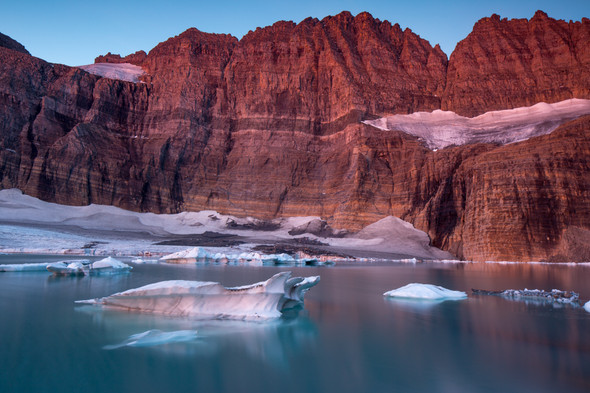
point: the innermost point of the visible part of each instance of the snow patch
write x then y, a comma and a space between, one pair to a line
425, 292
439, 129
121, 71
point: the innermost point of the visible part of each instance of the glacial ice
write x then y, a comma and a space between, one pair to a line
210, 300
121, 71
42, 227
439, 129
199, 254
425, 292
156, 337
587, 306
25, 267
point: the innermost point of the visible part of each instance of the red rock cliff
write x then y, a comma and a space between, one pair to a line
512, 63
269, 126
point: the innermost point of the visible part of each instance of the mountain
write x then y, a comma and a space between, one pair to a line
270, 125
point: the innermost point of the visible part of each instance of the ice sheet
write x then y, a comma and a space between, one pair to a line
439, 129
425, 292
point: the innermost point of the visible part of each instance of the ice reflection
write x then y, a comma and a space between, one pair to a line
272, 342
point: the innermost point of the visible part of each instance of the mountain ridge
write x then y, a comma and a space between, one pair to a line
269, 126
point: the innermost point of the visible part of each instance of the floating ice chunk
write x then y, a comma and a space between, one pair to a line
190, 255
82, 267
69, 268
25, 267
155, 337
110, 262
204, 299
587, 306
538, 295
425, 292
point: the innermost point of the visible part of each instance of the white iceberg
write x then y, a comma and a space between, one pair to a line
25, 267
425, 292
587, 306
109, 265
82, 267
190, 255
156, 337
211, 300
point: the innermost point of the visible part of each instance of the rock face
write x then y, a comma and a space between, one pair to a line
269, 126
512, 63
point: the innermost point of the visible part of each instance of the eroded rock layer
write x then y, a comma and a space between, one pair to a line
268, 126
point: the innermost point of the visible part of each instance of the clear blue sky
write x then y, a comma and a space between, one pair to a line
74, 32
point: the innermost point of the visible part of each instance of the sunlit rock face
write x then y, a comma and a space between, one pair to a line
513, 63
269, 126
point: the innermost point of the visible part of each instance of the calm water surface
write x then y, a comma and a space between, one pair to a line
347, 339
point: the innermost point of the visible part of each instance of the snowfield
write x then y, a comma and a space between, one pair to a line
30, 225
123, 71
439, 129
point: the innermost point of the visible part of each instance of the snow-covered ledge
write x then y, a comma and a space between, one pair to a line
439, 129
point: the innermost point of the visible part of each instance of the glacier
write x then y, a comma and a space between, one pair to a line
29, 225
425, 292
210, 300
439, 129
121, 71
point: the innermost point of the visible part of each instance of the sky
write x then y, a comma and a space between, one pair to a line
74, 32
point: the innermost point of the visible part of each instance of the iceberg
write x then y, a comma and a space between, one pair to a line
587, 306
156, 337
65, 268
425, 292
25, 267
83, 267
211, 300
199, 254
538, 295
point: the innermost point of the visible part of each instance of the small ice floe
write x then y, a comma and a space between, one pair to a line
587, 306
425, 292
538, 295
107, 265
156, 337
69, 268
25, 267
211, 300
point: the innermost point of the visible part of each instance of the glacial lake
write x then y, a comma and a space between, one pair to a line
348, 337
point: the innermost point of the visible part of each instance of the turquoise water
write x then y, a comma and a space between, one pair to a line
348, 338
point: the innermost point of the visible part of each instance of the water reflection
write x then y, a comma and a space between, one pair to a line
272, 342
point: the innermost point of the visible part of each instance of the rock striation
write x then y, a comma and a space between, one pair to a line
506, 64
269, 126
